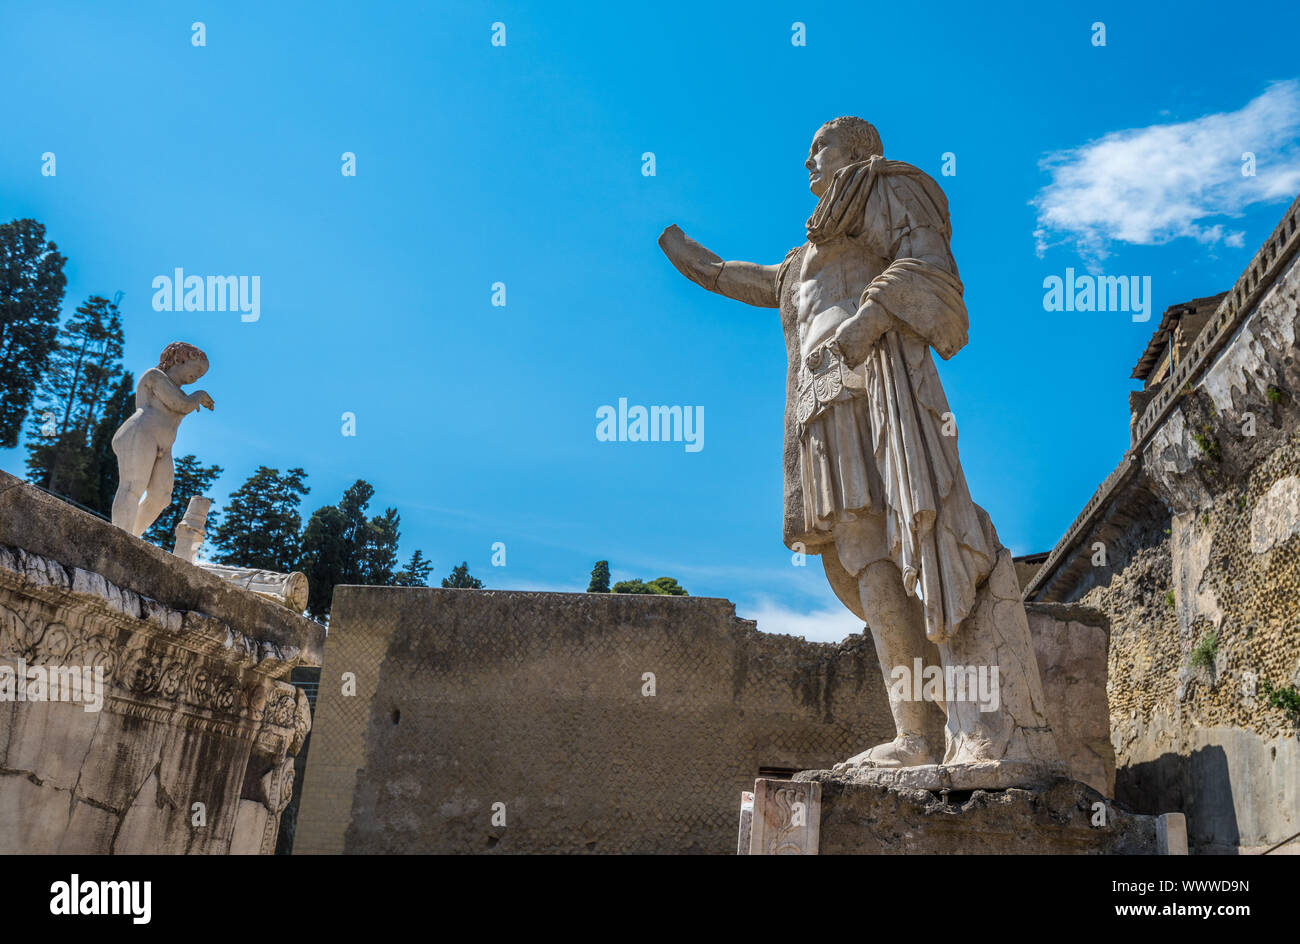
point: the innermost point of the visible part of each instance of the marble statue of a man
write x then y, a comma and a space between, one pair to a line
143, 443
873, 483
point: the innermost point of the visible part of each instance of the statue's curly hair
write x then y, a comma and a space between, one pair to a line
176, 352
863, 137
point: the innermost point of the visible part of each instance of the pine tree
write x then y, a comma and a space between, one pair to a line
379, 554
599, 578
78, 383
324, 549
31, 294
666, 586
353, 506
415, 573
192, 478
341, 545
460, 578
260, 526
102, 474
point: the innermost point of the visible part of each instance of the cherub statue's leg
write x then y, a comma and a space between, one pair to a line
135, 464
897, 626
158, 494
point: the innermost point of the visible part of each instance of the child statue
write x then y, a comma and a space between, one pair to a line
143, 443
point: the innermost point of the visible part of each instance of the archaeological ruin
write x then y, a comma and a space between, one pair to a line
181, 736
1148, 661
1190, 548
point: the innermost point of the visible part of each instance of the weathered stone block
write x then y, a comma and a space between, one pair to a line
1071, 644
192, 705
1171, 834
787, 818
1064, 817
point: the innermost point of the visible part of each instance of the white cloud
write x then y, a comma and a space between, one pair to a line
828, 620
831, 624
1147, 186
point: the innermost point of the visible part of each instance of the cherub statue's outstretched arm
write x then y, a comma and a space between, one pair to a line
747, 282
172, 396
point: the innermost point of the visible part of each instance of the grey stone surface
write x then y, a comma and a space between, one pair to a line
1054, 819
1071, 644
1171, 834
189, 750
986, 775
1239, 790
467, 698
42, 524
787, 817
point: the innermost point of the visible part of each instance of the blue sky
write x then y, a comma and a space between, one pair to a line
522, 164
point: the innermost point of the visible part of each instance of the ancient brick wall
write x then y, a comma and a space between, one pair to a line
1203, 738
466, 699
1209, 560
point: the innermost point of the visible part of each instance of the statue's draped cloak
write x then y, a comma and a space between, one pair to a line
941, 541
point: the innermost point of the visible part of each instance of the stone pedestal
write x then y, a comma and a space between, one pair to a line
1061, 817
989, 775
172, 726
1071, 644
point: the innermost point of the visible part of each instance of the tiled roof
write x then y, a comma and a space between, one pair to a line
1160, 340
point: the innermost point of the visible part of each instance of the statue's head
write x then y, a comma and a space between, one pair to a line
837, 144
183, 363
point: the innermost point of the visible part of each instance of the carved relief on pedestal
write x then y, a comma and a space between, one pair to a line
160, 666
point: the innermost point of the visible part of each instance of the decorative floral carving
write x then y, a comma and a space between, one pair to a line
25, 636
141, 671
282, 709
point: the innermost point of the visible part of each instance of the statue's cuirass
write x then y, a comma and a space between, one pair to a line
832, 277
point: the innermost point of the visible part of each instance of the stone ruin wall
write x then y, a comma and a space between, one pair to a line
468, 698
1214, 547
196, 704
1205, 740
465, 698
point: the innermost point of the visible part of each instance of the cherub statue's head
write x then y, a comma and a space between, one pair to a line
837, 144
183, 363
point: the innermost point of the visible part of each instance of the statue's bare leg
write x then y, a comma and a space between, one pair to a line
134, 472
158, 494
897, 626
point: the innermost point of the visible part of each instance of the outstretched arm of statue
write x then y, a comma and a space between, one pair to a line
746, 282
172, 396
